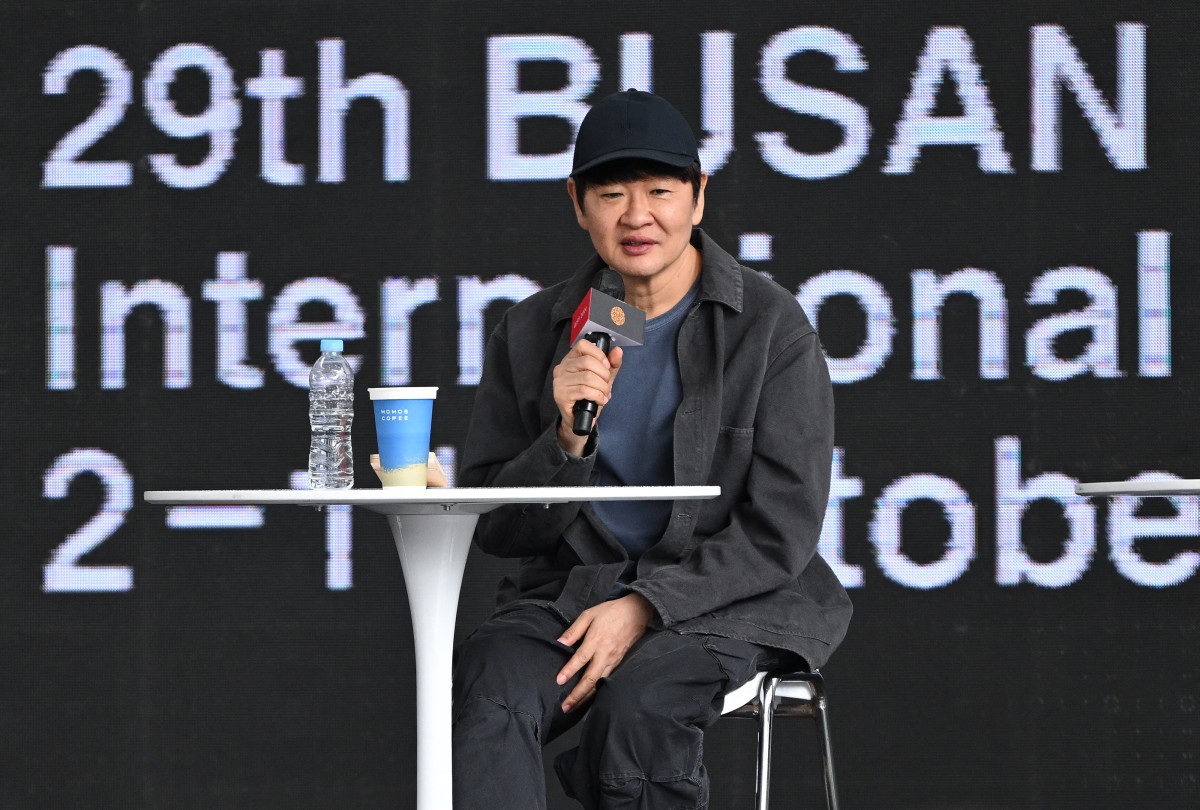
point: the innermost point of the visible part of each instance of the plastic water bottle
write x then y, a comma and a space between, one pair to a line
330, 413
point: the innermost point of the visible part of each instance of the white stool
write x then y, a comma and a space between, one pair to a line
796, 694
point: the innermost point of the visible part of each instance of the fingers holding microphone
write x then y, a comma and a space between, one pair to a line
583, 380
585, 373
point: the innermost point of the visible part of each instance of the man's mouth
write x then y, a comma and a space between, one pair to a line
636, 246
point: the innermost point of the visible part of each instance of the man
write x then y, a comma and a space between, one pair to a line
636, 617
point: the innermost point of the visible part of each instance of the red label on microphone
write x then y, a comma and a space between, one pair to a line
581, 316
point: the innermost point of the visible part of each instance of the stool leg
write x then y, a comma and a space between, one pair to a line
821, 718
766, 723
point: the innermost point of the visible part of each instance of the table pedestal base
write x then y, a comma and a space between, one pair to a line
433, 553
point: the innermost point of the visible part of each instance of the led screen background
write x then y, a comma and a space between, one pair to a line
990, 213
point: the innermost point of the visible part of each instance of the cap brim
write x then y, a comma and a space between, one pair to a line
670, 158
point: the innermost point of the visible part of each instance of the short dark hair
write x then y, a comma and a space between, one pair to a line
628, 169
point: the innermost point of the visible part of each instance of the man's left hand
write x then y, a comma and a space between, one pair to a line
604, 634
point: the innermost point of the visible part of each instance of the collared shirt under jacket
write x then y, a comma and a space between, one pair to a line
756, 419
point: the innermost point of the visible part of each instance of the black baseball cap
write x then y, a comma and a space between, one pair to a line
634, 124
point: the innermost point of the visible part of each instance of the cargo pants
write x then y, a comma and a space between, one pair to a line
641, 743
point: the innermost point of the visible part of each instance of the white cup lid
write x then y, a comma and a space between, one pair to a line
403, 393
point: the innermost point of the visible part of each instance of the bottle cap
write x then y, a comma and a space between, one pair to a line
329, 345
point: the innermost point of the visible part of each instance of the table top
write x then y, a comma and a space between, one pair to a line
415, 500
1142, 489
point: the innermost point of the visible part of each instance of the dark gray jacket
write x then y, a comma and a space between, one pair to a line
756, 419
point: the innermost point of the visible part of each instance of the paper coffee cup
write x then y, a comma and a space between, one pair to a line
403, 417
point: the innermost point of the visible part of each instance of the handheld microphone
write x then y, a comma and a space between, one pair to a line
607, 322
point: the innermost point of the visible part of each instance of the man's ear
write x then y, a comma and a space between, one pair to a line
575, 202
698, 211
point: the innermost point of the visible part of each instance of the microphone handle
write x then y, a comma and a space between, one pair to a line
585, 410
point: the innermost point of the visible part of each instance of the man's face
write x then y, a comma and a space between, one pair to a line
641, 228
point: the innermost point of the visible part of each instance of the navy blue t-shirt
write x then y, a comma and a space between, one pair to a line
637, 426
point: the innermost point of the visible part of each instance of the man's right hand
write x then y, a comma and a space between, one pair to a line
585, 373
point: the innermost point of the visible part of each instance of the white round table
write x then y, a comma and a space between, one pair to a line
432, 529
1146, 488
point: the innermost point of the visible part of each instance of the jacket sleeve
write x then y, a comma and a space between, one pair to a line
509, 446
773, 529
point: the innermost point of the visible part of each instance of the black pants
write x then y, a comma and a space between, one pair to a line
642, 740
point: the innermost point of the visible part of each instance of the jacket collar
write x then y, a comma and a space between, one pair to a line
720, 279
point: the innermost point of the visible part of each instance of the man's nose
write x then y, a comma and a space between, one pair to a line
637, 211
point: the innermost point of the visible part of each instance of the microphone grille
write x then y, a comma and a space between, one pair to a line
611, 283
